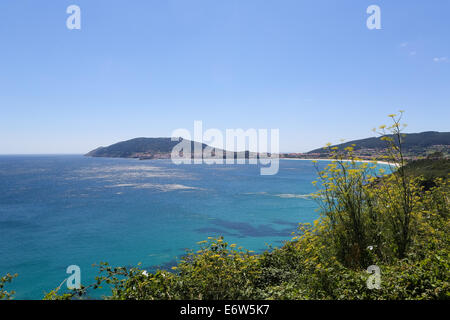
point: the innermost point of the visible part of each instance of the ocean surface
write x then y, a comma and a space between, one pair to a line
57, 211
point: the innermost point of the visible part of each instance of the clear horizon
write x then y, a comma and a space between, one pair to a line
311, 69
83, 153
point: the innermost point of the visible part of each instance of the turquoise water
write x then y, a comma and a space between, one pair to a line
57, 211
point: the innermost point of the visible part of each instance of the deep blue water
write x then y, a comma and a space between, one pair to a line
57, 211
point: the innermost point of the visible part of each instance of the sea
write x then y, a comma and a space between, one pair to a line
63, 210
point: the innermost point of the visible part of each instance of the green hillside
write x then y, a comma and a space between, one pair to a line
137, 148
429, 169
154, 148
417, 144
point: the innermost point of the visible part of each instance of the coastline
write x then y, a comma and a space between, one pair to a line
296, 159
322, 159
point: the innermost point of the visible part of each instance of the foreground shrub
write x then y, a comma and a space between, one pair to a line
3, 281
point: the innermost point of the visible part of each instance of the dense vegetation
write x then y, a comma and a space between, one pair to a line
370, 220
3, 281
429, 169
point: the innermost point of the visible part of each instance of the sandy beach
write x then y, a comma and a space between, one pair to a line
366, 161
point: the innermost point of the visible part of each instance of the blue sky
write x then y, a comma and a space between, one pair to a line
146, 67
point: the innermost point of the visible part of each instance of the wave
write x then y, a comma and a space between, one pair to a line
160, 187
282, 195
128, 172
293, 196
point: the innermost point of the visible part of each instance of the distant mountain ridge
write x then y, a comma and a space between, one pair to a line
143, 148
156, 148
414, 144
